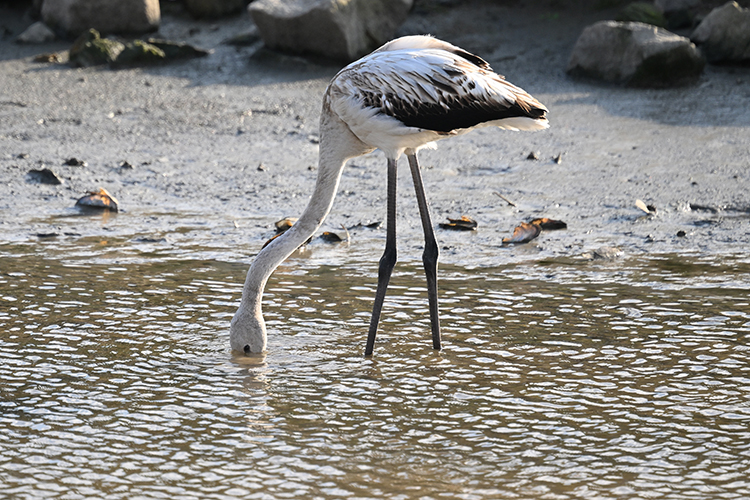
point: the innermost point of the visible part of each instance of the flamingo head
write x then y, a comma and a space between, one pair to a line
248, 332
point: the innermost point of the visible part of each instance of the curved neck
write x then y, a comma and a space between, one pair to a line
337, 145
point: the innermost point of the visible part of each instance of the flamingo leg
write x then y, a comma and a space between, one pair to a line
431, 251
388, 260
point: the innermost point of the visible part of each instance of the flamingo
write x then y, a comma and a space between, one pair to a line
402, 97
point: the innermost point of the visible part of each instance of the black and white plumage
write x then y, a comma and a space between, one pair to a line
417, 89
404, 96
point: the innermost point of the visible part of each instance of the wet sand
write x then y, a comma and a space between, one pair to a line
223, 146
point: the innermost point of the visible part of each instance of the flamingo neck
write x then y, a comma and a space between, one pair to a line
337, 145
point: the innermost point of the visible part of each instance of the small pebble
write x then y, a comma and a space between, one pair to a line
75, 162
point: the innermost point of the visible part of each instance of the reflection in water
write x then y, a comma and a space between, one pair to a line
559, 380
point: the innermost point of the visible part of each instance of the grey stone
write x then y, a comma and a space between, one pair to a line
73, 17
336, 29
724, 35
635, 54
36, 33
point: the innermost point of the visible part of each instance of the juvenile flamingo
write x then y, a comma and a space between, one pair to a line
405, 95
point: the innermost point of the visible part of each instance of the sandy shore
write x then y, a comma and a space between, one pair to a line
196, 133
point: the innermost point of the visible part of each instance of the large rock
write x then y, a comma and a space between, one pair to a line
724, 35
73, 17
336, 29
635, 54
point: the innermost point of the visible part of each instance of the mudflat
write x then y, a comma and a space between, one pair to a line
204, 155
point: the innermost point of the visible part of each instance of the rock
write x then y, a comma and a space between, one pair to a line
678, 13
330, 237
139, 52
464, 223
90, 49
724, 35
36, 33
98, 200
213, 8
642, 12
73, 17
75, 162
45, 176
336, 29
635, 54
523, 233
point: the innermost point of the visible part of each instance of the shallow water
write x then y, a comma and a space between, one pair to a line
559, 379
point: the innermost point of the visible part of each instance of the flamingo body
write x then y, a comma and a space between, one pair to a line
417, 89
402, 97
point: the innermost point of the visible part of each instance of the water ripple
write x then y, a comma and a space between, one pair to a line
116, 382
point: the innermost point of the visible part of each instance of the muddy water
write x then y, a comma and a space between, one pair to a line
560, 379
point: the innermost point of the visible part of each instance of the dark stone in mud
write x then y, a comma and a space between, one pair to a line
90, 49
75, 162
45, 176
330, 237
463, 223
149, 240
